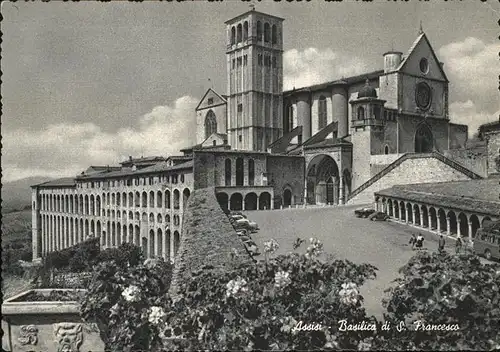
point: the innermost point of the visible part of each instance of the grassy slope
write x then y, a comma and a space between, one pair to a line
16, 226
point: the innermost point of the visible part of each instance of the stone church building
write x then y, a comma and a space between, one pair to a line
262, 148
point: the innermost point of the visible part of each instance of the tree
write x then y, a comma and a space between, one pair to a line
443, 291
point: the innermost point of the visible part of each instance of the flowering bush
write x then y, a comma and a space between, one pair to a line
446, 302
260, 306
128, 304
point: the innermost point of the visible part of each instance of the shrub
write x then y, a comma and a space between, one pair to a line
258, 306
125, 255
436, 289
128, 303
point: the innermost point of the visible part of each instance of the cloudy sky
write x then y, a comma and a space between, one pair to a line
91, 83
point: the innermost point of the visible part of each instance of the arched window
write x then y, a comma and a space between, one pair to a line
245, 30
259, 31
251, 172
239, 33
361, 113
239, 172
267, 33
210, 124
233, 35
274, 34
228, 172
322, 112
386, 149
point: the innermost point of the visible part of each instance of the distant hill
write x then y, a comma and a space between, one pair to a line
16, 195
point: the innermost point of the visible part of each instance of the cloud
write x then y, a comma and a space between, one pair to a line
68, 148
467, 113
472, 67
313, 66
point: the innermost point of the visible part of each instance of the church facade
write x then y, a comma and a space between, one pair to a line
264, 148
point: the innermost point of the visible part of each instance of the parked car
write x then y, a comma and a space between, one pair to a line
378, 216
363, 212
487, 241
237, 213
237, 217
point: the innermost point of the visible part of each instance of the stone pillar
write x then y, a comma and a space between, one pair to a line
407, 213
394, 211
340, 109
305, 190
341, 190
304, 115
421, 218
157, 247
414, 221
438, 223
448, 230
429, 220
470, 229
459, 228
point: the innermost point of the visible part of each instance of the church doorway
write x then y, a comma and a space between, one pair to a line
287, 198
424, 141
322, 180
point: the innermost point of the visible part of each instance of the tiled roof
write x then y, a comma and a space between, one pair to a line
479, 196
60, 182
159, 167
349, 81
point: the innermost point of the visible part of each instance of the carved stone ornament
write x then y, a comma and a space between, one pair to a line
28, 335
68, 337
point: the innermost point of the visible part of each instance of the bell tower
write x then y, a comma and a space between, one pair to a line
254, 80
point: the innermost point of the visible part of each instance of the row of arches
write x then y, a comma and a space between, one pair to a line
438, 219
58, 232
236, 201
265, 32
131, 216
92, 204
240, 172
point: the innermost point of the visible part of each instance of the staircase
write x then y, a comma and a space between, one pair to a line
399, 161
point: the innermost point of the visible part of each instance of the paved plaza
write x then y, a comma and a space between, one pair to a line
382, 244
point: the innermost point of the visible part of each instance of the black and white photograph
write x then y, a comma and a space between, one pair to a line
250, 175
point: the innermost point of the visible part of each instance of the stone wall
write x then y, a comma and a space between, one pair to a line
207, 239
472, 158
411, 171
287, 172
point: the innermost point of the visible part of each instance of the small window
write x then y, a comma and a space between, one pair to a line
386, 150
245, 60
259, 59
274, 62
240, 138
234, 63
239, 62
214, 142
240, 107
424, 65
210, 101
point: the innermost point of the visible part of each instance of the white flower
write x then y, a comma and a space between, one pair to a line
364, 346
234, 287
114, 310
314, 249
156, 315
289, 323
349, 293
271, 246
282, 279
131, 293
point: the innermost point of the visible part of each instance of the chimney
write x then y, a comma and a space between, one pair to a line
130, 158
